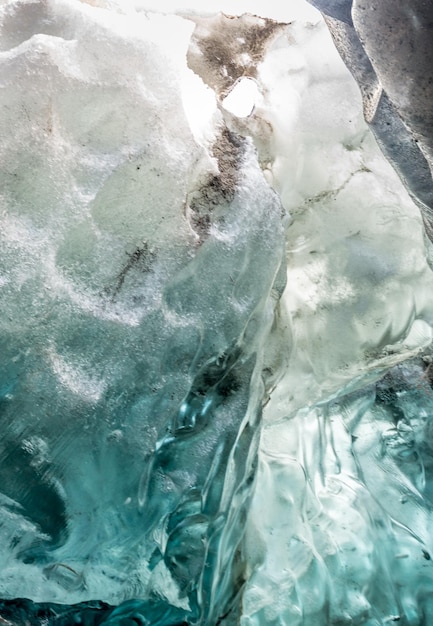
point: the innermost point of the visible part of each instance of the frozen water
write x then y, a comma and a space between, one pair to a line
216, 326
388, 48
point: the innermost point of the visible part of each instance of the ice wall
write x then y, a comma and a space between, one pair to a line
388, 48
135, 308
215, 387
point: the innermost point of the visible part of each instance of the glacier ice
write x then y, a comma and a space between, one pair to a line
216, 388
388, 47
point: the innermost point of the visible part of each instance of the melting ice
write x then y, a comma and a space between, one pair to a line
216, 384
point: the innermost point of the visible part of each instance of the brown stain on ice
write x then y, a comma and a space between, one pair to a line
218, 189
222, 50
225, 48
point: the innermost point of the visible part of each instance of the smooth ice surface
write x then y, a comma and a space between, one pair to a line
389, 49
215, 386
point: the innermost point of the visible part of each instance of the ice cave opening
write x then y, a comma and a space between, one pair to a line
242, 98
216, 285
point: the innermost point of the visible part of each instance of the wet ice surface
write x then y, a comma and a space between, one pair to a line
168, 269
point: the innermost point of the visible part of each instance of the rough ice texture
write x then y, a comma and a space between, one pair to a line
135, 308
155, 298
388, 47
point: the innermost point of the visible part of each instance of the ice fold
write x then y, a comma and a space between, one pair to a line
388, 48
136, 307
